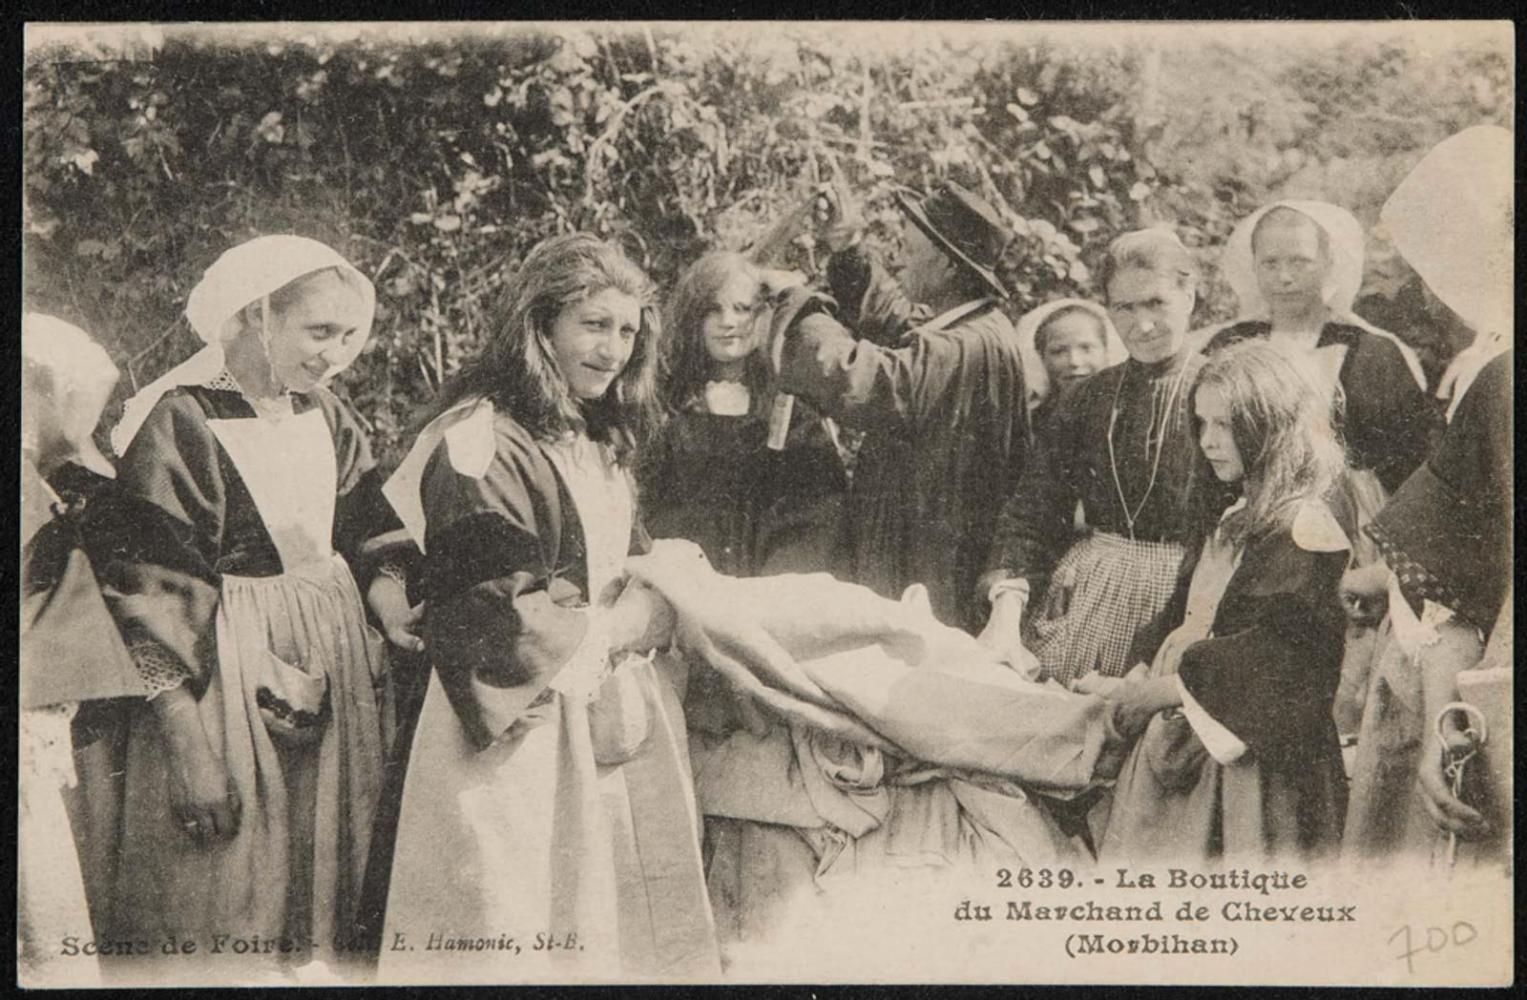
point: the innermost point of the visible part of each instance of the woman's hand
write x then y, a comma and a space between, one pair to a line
1435, 790
1096, 683
203, 798
1003, 635
1136, 703
640, 620
1457, 648
400, 623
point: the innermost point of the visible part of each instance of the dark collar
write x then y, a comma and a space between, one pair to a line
1334, 332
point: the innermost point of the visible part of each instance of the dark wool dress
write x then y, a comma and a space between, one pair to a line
1122, 444
230, 565
752, 510
1265, 673
1447, 536
548, 783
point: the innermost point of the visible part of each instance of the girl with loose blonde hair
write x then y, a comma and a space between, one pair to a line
1237, 754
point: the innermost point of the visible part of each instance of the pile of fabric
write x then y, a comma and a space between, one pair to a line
865, 733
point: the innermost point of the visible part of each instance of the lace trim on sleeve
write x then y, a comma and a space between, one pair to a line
159, 669
394, 569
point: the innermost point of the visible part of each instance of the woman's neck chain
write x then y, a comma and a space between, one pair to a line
1162, 405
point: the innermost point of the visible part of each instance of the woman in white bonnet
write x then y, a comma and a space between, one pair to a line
253, 769
71, 658
1295, 267
1446, 533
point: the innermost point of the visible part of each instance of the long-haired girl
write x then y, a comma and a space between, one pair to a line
753, 510
548, 790
711, 478
1239, 756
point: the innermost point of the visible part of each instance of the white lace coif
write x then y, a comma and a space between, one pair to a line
78, 375
1344, 234
242, 275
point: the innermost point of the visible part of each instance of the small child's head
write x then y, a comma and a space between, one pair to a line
712, 324
1264, 420
1072, 343
1070, 339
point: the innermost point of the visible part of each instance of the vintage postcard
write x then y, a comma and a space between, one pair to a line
767, 502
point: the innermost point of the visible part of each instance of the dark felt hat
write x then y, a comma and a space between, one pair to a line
964, 226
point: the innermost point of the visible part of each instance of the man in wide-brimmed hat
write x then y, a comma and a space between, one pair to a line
929, 367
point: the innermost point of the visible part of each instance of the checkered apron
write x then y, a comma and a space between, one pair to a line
1103, 591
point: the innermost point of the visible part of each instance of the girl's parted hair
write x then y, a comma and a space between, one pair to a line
515, 367
1281, 418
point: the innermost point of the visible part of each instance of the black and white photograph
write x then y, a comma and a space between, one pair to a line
766, 502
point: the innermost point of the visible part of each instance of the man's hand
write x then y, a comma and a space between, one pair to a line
836, 217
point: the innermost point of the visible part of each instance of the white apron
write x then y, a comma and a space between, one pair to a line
550, 854
293, 871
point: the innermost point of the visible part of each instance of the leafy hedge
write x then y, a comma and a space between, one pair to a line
436, 161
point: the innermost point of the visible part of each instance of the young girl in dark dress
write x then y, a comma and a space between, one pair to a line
711, 477
1239, 756
753, 510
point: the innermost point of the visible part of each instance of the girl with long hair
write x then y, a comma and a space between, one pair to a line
712, 478
753, 510
1239, 756
547, 808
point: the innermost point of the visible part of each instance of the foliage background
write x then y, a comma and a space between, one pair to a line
436, 156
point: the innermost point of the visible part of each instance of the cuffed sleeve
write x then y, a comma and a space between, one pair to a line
504, 617
1034, 524
1223, 745
154, 540
871, 302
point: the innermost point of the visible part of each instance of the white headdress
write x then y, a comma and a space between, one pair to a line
76, 372
1034, 374
249, 272
1451, 218
1344, 235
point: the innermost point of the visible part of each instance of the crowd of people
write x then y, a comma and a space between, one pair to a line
621, 658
